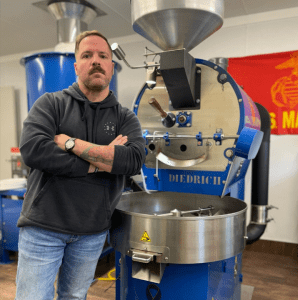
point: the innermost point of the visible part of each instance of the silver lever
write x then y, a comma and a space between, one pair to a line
178, 213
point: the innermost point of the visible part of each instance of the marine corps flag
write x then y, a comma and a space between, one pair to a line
272, 81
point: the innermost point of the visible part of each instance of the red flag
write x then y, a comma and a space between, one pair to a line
272, 81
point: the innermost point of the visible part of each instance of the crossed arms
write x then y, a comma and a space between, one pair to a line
101, 157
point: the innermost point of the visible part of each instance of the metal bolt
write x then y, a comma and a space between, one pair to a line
240, 100
215, 67
198, 71
198, 101
188, 125
3, 223
223, 77
229, 153
4, 241
217, 143
177, 124
223, 182
166, 258
136, 105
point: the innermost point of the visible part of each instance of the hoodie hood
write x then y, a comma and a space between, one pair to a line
90, 110
75, 92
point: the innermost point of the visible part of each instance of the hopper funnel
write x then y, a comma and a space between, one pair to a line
176, 24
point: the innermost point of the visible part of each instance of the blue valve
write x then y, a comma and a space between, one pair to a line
167, 139
145, 133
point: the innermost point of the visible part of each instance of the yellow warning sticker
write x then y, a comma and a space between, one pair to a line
145, 237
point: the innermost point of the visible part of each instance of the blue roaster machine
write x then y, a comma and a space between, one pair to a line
182, 235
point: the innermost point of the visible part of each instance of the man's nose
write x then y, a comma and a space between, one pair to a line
95, 60
95, 63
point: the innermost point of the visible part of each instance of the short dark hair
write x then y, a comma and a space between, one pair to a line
88, 33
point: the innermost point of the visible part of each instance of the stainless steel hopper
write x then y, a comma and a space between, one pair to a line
176, 24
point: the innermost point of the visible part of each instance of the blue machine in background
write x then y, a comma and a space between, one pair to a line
11, 202
49, 72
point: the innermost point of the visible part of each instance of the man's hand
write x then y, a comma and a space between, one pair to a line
60, 140
119, 140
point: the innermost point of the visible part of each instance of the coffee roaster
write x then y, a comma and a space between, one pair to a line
182, 236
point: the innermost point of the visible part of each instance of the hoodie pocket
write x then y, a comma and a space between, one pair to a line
72, 205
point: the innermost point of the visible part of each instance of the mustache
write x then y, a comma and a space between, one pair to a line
97, 69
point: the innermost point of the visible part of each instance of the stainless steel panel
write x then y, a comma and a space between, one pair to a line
176, 24
188, 239
219, 109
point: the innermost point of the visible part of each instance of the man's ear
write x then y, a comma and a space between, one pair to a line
75, 67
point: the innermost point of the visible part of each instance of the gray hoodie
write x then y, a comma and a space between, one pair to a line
61, 195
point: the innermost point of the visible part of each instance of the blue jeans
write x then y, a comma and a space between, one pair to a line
42, 253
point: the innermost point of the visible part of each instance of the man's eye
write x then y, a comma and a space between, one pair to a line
104, 56
86, 56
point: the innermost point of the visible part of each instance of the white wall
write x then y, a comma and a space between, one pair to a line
248, 35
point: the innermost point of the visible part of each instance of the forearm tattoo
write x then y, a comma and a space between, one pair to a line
87, 155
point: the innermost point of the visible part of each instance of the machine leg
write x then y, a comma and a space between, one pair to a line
123, 270
206, 281
4, 255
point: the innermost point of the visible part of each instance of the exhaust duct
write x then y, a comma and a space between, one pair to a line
72, 17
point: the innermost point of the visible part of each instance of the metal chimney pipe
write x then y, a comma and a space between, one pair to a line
72, 18
223, 62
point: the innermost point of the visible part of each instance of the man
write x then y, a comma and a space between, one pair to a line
79, 144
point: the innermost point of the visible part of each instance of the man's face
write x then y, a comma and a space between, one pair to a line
94, 66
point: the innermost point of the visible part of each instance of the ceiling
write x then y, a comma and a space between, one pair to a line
26, 28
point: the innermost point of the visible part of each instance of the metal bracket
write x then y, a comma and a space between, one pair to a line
156, 171
259, 214
218, 136
199, 139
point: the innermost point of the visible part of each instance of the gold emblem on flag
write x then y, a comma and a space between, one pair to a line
284, 91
